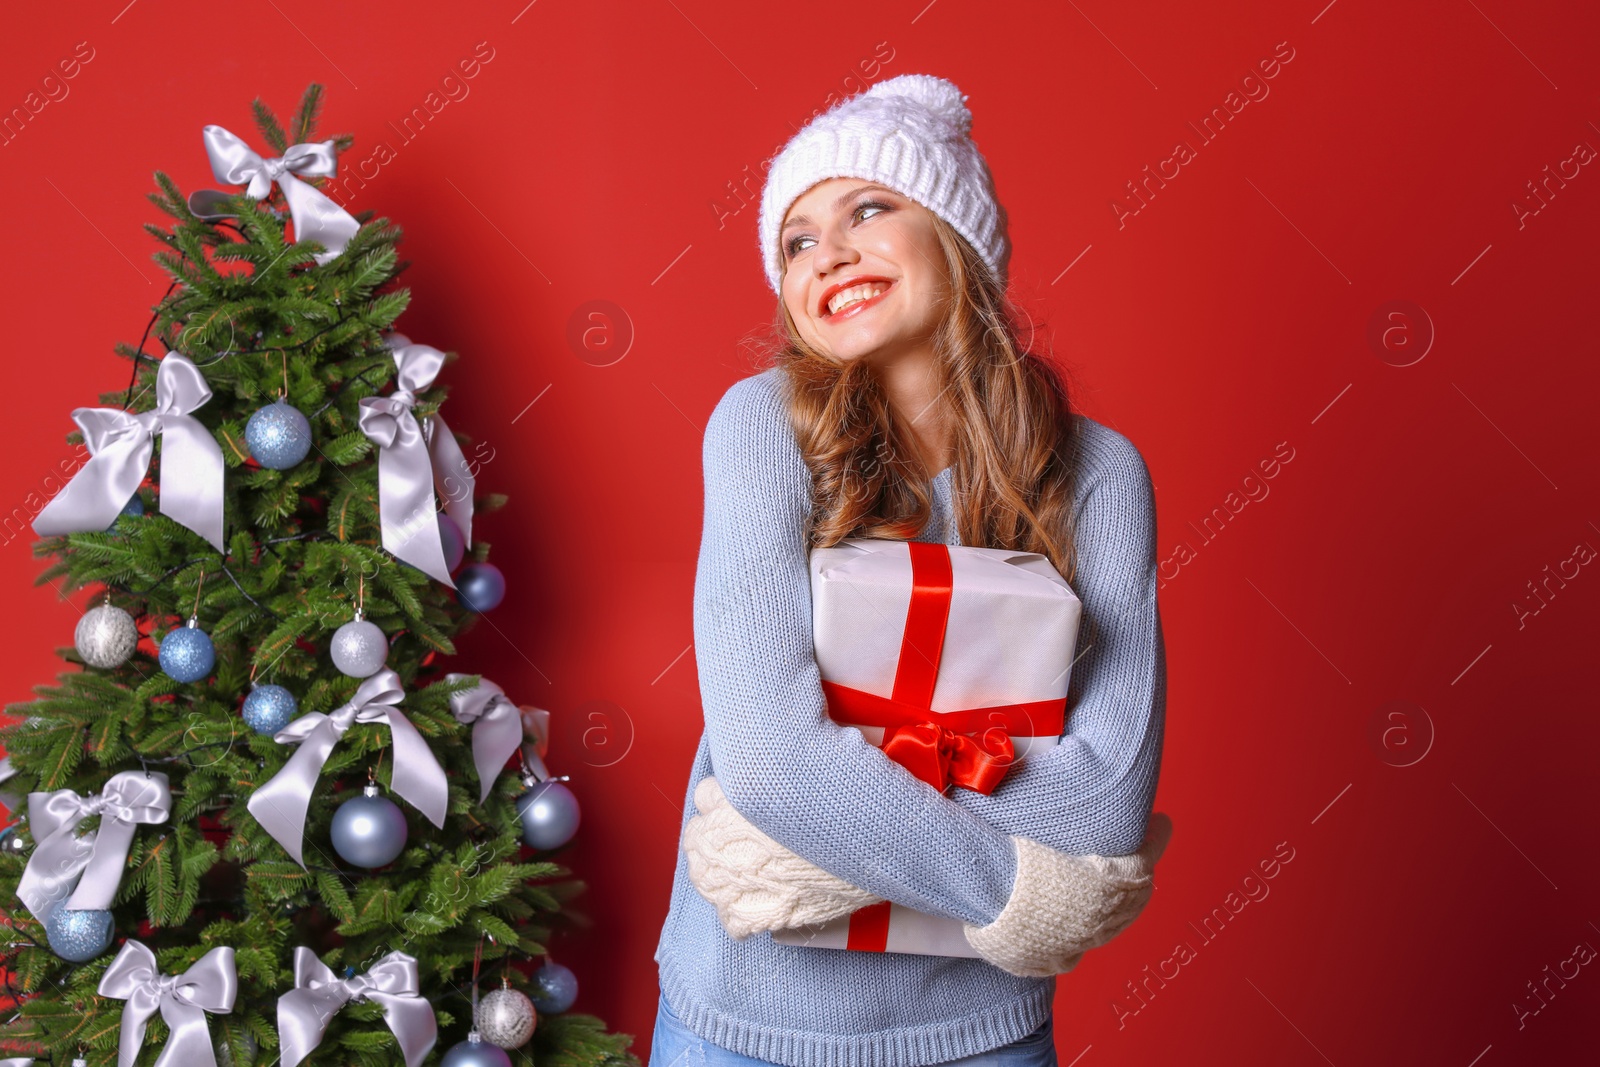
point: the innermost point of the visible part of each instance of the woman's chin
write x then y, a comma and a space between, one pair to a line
869, 345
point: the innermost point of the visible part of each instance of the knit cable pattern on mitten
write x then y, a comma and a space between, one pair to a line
1061, 905
755, 883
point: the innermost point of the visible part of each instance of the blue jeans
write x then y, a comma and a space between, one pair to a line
675, 1045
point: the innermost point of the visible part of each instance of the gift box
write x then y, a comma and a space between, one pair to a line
955, 661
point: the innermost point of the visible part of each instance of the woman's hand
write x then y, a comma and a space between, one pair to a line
1062, 905
755, 883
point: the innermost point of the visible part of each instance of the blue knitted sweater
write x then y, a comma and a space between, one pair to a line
824, 792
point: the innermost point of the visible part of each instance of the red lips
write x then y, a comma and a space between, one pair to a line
849, 283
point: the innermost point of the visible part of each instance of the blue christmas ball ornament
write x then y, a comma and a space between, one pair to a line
554, 989
278, 435
186, 653
481, 587
450, 539
475, 1052
369, 830
79, 936
549, 814
269, 708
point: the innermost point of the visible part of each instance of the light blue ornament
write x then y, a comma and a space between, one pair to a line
278, 435
79, 936
481, 587
553, 988
549, 813
369, 830
269, 708
186, 653
475, 1052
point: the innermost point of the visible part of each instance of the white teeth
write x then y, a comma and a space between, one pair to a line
846, 297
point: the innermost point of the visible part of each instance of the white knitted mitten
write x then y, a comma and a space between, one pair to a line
1061, 905
755, 883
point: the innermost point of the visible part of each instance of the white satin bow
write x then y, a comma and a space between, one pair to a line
183, 1000
411, 467
318, 994
87, 869
496, 728
120, 445
316, 217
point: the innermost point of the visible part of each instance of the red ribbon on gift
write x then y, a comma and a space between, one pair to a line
933, 745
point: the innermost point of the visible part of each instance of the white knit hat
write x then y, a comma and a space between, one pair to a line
911, 133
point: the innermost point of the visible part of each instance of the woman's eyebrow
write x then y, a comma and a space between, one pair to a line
802, 220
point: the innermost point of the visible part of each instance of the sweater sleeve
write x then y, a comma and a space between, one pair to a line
1094, 791
818, 789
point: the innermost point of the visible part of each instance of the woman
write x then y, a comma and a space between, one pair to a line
902, 406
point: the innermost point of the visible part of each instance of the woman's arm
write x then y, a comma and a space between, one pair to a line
816, 788
1093, 792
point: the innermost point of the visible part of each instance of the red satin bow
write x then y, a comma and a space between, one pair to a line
941, 757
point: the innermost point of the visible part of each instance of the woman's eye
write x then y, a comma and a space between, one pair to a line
864, 206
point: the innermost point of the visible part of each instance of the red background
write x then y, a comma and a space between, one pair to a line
614, 152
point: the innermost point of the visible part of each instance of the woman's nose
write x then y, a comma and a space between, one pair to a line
833, 251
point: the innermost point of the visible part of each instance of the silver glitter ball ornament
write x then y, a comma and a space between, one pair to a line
506, 1018
268, 709
369, 830
105, 636
549, 814
79, 936
475, 1052
278, 435
186, 653
359, 648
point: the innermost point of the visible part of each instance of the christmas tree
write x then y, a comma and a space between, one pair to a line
274, 593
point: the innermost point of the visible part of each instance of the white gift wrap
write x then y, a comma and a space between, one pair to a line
1010, 638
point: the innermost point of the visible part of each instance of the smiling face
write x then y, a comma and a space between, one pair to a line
850, 238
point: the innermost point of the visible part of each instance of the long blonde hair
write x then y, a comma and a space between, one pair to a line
1016, 440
